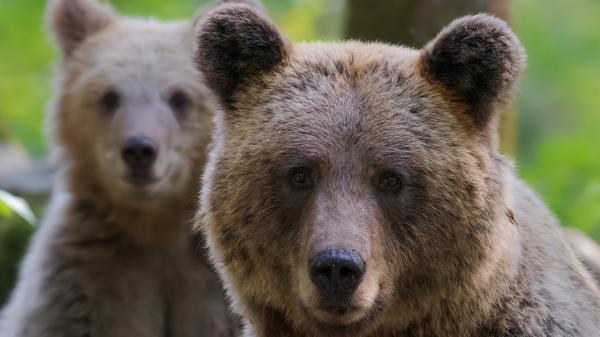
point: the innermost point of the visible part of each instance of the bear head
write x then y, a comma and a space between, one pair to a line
130, 114
355, 188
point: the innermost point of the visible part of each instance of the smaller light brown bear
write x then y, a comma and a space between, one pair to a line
356, 189
131, 121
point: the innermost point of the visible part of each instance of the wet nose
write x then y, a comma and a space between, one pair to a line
139, 153
336, 273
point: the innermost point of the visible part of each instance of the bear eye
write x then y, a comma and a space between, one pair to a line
389, 181
110, 100
300, 177
179, 101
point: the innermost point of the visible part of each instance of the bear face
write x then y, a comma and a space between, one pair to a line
355, 188
129, 113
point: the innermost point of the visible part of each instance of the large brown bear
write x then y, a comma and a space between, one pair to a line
131, 120
356, 189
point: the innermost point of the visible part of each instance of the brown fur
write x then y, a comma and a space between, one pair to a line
112, 257
463, 248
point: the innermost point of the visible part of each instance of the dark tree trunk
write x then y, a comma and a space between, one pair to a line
414, 22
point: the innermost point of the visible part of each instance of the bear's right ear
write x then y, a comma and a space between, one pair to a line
72, 21
475, 61
234, 44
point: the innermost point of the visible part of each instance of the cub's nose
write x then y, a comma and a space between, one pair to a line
139, 153
336, 273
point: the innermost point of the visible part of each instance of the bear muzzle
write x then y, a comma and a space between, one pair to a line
139, 154
336, 274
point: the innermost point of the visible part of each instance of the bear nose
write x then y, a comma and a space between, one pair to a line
336, 273
139, 153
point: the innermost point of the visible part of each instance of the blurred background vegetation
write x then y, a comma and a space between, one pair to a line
558, 104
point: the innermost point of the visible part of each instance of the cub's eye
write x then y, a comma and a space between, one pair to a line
389, 181
300, 177
110, 101
179, 101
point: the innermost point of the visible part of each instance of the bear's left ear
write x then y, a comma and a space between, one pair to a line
235, 44
475, 61
202, 12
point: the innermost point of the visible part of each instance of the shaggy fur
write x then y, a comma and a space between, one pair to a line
586, 249
461, 247
112, 257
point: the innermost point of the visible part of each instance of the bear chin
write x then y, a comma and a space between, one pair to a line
353, 323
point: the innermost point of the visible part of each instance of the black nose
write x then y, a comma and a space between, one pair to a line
139, 153
336, 273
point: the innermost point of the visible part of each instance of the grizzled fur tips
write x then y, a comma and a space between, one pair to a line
236, 42
476, 59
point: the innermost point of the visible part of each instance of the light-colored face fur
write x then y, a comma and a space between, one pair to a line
130, 114
381, 153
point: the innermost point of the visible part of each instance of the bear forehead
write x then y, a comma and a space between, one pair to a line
352, 93
147, 52
365, 80
355, 54
141, 42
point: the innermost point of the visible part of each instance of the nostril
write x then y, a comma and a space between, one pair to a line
323, 272
347, 273
147, 152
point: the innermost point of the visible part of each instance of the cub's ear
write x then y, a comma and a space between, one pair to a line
235, 44
72, 21
475, 61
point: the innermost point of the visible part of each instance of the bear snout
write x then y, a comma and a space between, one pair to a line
336, 273
139, 153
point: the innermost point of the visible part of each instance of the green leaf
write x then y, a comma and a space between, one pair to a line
10, 203
5, 211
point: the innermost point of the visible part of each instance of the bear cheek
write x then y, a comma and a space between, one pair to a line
81, 134
261, 240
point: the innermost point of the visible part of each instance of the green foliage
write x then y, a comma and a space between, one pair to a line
14, 232
5, 211
13, 205
25, 80
559, 107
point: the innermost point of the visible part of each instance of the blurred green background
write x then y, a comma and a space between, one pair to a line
558, 104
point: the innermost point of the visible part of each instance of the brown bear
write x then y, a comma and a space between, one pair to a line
131, 120
356, 189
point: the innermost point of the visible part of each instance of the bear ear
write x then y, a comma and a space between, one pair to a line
475, 61
202, 13
234, 44
72, 21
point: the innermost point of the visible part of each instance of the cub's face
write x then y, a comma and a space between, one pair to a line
130, 108
350, 186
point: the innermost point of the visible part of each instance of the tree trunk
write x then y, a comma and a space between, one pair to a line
414, 22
